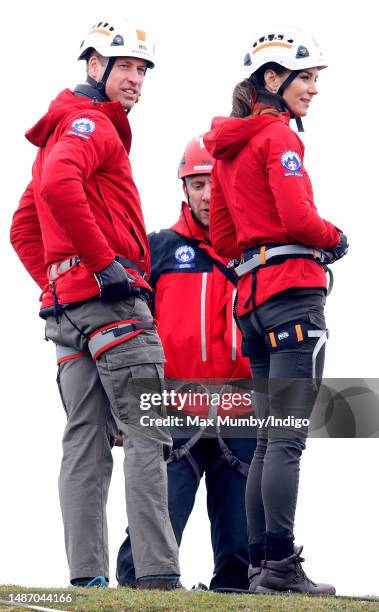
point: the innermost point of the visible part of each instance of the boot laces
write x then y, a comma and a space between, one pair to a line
300, 571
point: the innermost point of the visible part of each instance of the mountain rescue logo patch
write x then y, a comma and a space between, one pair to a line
82, 127
185, 256
291, 161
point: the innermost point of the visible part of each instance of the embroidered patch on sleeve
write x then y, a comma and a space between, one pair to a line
291, 161
82, 127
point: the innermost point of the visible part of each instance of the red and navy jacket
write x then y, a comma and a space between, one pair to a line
194, 305
261, 193
82, 200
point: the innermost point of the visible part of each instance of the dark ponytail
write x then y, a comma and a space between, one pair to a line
245, 92
242, 99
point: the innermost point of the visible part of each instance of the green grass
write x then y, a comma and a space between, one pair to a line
120, 600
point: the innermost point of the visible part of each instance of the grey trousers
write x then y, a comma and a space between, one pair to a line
97, 400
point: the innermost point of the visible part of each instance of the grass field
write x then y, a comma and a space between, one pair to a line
120, 600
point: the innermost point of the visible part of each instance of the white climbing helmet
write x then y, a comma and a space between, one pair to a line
118, 38
285, 45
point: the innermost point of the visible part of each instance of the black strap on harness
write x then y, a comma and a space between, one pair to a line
185, 451
227, 455
231, 459
229, 273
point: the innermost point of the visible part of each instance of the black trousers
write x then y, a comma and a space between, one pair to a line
285, 388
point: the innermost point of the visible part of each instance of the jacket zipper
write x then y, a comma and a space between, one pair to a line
203, 316
234, 328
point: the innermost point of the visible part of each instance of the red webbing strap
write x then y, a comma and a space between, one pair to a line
111, 335
67, 353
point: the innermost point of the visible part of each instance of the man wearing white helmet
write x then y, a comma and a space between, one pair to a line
117, 59
80, 233
262, 211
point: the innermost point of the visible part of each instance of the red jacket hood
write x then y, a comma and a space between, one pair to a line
188, 226
228, 135
68, 103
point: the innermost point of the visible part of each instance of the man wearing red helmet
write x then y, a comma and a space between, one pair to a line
194, 294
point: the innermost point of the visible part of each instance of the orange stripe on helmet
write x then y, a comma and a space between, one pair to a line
262, 254
100, 31
272, 44
141, 35
299, 332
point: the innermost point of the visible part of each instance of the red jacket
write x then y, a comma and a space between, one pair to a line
82, 200
194, 306
262, 193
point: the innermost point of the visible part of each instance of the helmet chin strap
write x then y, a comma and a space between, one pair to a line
271, 99
291, 77
101, 85
276, 99
194, 216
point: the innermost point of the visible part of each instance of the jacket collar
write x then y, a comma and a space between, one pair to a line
66, 103
188, 226
89, 91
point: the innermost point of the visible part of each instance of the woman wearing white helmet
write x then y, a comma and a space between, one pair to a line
262, 211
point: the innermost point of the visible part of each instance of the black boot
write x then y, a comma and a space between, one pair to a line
288, 575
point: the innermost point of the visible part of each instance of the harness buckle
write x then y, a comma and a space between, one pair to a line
178, 453
234, 462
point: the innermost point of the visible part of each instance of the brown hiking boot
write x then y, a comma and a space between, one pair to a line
288, 575
254, 574
161, 584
